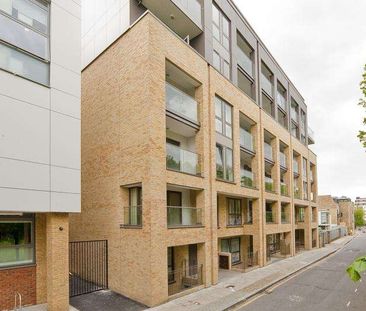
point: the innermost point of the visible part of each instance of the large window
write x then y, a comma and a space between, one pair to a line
234, 212
24, 39
223, 112
232, 246
16, 241
224, 163
220, 27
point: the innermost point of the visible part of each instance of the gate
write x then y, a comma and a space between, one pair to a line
88, 266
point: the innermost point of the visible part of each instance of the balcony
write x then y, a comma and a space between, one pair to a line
300, 218
269, 217
269, 185
266, 85
281, 101
185, 278
245, 62
181, 160
284, 218
297, 193
284, 189
268, 153
246, 140
184, 17
247, 178
310, 136
132, 216
179, 216
181, 104
283, 160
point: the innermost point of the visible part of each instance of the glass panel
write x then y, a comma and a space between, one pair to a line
225, 246
181, 160
229, 164
216, 32
215, 15
226, 69
283, 159
268, 151
281, 100
225, 26
228, 131
268, 183
219, 162
226, 42
245, 84
216, 60
228, 117
16, 246
24, 65
266, 85
246, 139
247, 178
218, 108
235, 245
181, 103
218, 126
32, 14
193, 8
245, 62
22, 37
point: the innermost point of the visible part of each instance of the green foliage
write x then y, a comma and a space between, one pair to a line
362, 134
356, 268
359, 217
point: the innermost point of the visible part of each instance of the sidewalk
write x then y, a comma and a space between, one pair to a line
233, 290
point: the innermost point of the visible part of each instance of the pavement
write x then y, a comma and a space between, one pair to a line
325, 286
236, 289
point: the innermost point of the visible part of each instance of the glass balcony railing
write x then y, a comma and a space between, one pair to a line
247, 178
284, 218
297, 193
181, 160
132, 216
180, 103
244, 61
193, 9
281, 101
284, 189
179, 216
296, 167
311, 134
269, 217
266, 85
268, 153
269, 185
311, 176
300, 217
283, 160
246, 140
294, 114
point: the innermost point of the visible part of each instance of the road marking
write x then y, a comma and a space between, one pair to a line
356, 290
349, 302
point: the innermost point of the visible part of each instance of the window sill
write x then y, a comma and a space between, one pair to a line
20, 266
130, 226
234, 226
249, 187
226, 181
186, 227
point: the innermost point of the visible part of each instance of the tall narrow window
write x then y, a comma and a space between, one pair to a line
220, 27
234, 212
171, 272
224, 163
135, 206
223, 113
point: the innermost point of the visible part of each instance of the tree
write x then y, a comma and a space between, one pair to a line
359, 217
362, 134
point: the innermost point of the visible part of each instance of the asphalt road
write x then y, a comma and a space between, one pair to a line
325, 286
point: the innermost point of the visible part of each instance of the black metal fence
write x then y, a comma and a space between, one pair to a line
88, 266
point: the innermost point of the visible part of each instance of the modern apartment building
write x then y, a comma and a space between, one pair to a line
361, 203
39, 148
195, 153
329, 212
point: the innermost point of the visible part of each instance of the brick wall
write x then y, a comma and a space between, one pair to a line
22, 280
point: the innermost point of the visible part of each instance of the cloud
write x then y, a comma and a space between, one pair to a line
321, 45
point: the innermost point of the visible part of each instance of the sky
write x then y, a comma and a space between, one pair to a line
321, 46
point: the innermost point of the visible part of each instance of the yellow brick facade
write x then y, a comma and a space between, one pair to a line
124, 143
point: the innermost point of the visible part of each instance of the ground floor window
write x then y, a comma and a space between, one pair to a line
16, 240
232, 246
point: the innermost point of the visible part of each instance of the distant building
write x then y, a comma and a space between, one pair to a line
328, 212
346, 213
361, 203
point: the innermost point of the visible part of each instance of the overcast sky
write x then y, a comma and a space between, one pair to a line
321, 45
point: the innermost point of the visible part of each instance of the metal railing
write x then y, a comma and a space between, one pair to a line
183, 216
284, 189
269, 217
88, 266
132, 216
266, 85
247, 178
180, 103
269, 186
181, 160
281, 101
268, 153
182, 279
244, 61
246, 140
234, 220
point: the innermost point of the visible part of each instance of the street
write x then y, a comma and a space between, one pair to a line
325, 286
